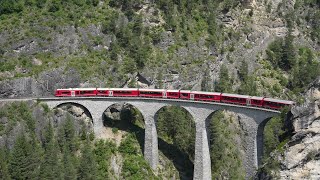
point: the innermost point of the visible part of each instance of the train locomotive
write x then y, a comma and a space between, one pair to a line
237, 99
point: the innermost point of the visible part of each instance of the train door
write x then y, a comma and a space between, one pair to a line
73, 94
164, 94
192, 96
249, 101
110, 93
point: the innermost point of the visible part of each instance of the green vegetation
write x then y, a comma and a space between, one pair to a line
225, 82
226, 162
17, 112
177, 129
301, 65
248, 84
134, 43
276, 134
63, 153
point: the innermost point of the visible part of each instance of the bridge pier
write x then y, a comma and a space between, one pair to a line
151, 154
202, 162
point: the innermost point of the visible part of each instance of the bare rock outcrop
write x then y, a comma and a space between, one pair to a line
301, 158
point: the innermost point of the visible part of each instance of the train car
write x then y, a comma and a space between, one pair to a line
200, 96
76, 92
84, 91
206, 96
123, 92
63, 92
276, 103
235, 99
186, 94
171, 94
102, 91
255, 101
153, 93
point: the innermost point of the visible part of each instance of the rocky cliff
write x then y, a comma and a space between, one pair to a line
301, 157
48, 50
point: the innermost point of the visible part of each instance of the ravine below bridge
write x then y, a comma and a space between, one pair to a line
253, 118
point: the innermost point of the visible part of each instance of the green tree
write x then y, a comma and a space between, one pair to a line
67, 135
88, 167
103, 151
248, 86
4, 173
288, 59
24, 159
274, 52
243, 71
49, 168
69, 165
224, 85
205, 81
176, 126
225, 155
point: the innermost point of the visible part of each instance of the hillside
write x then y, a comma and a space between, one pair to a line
256, 47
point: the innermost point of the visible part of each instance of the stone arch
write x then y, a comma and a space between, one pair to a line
178, 157
83, 107
119, 121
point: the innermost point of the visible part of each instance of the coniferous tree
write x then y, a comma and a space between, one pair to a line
24, 159
224, 85
4, 173
243, 71
68, 167
67, 136
205, 81
50, 166
225, 156
87, 167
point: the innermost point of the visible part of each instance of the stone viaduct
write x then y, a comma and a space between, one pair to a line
253, 119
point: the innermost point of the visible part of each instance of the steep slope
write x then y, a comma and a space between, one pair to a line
172, 44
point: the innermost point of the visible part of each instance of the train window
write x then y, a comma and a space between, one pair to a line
86, 92
65, 92
150, 92
101, 91
122, 92
184, 94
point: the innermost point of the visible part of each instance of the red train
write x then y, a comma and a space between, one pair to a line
244, 100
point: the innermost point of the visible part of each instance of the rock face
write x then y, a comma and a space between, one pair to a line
301, 159
44, 85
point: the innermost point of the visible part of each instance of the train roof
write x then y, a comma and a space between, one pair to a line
235, 95
279, 101
69, 89
200, 92
156, 90
257, 98
123, 89
172, 90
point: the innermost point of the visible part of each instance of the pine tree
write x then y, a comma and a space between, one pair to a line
50, 168
88, 167
225, 156
24, 159
224, 85
4, 173
243, 71
69, 165
67, 136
